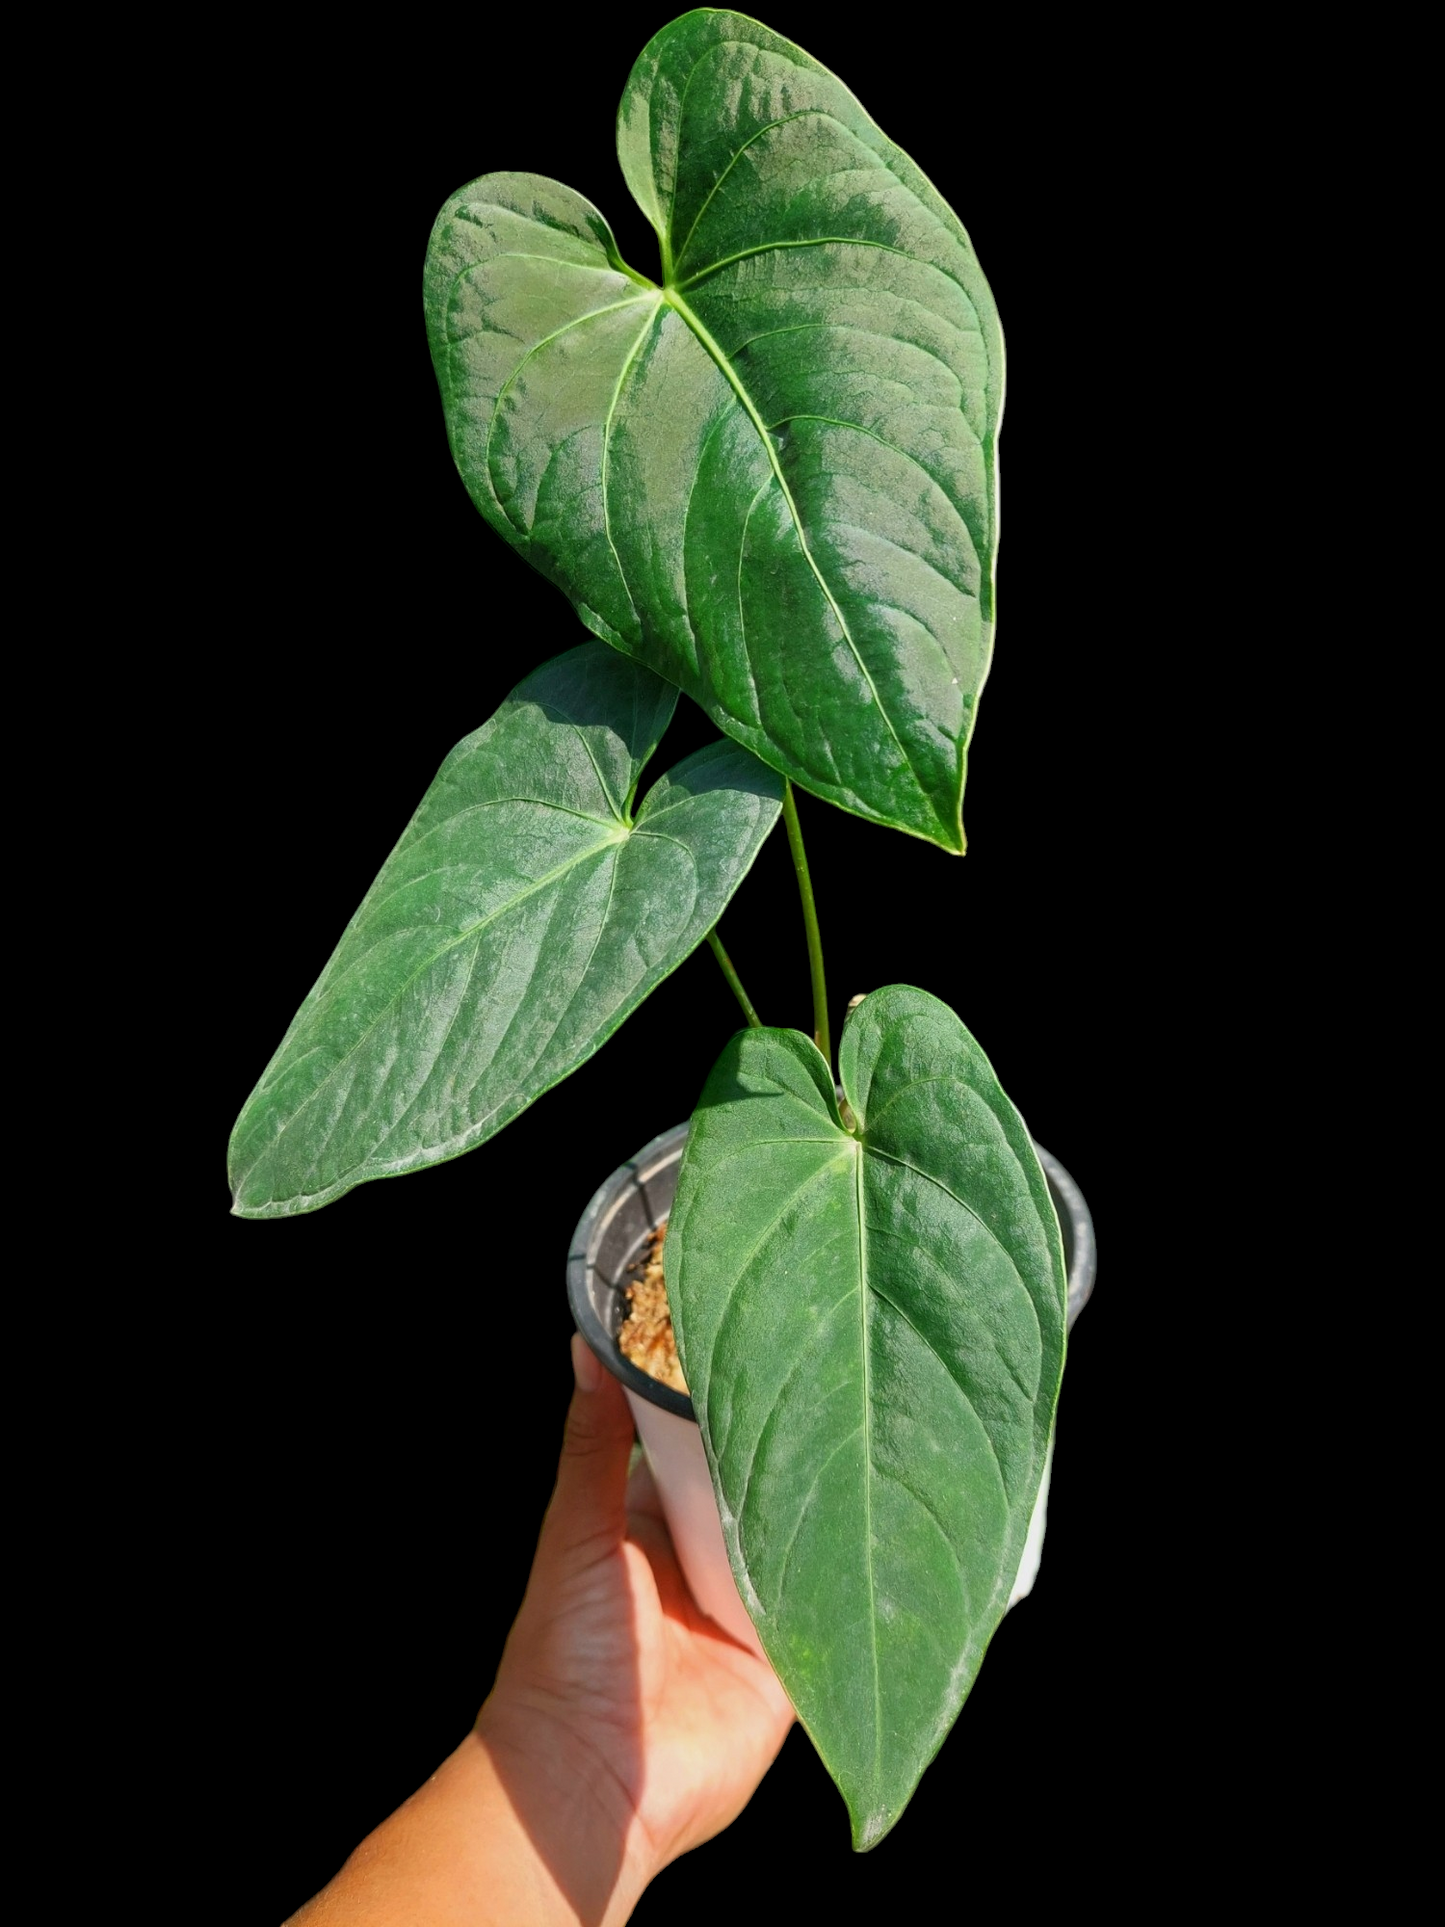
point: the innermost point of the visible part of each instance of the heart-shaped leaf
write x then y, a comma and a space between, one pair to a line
522, 916
872, 1329
771, 478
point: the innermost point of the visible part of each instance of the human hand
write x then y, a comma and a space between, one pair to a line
621, 1713
623, 1729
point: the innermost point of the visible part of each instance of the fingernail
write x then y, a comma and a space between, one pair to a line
586, 1365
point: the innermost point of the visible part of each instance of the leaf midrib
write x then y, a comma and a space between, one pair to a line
863, 1291
464, 936
734, 381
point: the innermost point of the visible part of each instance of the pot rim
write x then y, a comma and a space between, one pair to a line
1075, 1221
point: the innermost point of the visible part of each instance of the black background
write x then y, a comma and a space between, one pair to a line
403, 1352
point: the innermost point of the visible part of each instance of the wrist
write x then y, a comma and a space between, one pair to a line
510, 1828
573, 1798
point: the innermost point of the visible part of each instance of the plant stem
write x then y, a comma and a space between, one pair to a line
810, 923
725, 964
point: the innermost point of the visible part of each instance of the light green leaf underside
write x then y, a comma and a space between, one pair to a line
771, 478
520, 919
872, 1328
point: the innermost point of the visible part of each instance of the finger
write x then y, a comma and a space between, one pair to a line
588, 1508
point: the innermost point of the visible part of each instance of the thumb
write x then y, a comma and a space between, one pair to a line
589, 1506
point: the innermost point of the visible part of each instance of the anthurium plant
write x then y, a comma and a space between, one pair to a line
765, 480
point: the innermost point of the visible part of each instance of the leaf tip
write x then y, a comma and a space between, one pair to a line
946, 835
870, 1828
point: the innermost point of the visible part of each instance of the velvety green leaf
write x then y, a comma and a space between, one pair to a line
872, 1329
525, 912
772, 477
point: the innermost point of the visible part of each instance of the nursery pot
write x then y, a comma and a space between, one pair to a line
609, 1239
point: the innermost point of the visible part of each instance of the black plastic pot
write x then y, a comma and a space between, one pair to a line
637, 1198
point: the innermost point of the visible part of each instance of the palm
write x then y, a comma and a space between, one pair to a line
713, 1715
612, 1657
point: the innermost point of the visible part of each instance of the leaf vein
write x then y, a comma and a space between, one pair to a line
781, 121
954, 1381
463, 936
592, 314
628, 360
984, 1225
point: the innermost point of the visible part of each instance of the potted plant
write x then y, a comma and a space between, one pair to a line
763, 479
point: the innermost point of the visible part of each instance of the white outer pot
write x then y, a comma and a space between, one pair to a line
609, 1239
679, 1467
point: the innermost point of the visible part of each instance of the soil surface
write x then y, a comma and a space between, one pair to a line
646, 1335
